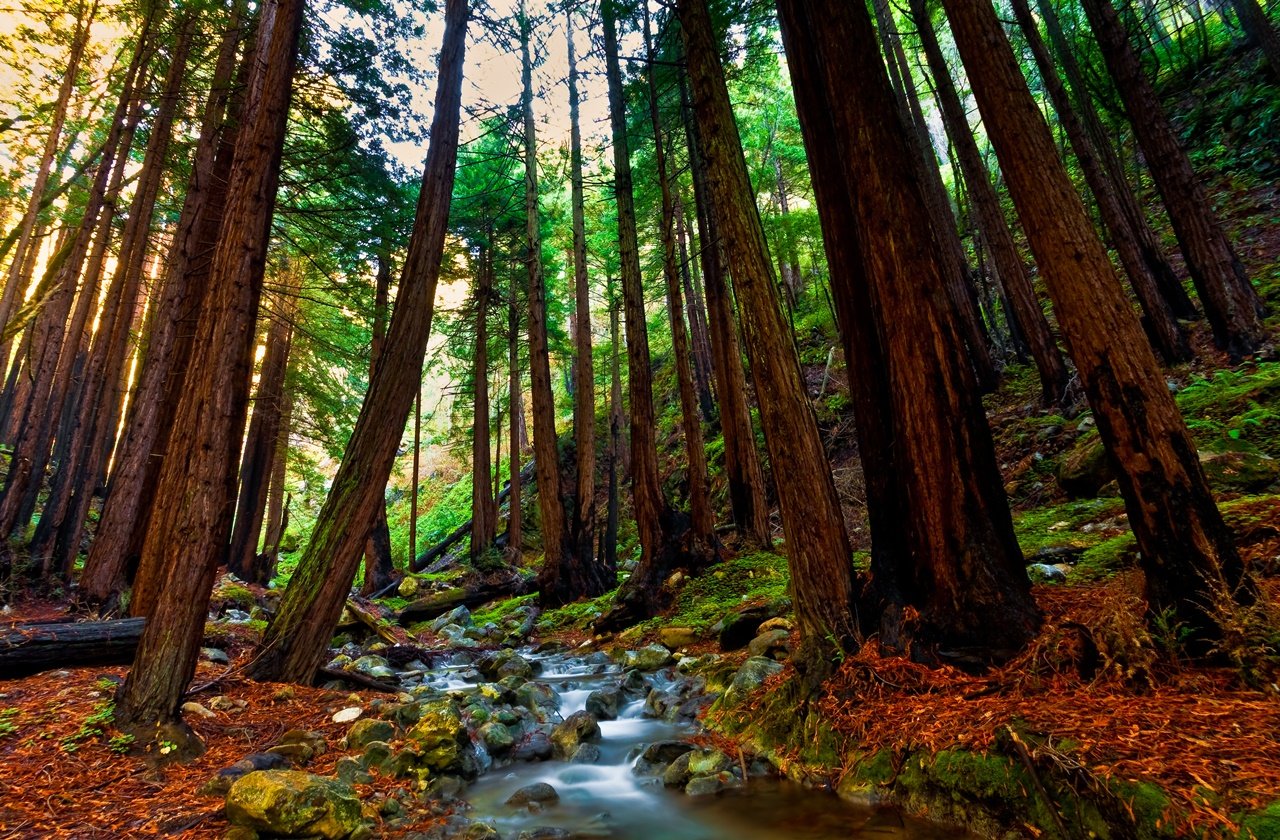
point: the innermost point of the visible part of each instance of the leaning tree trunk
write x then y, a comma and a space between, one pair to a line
702, 520
1032, 324
962, 571
191, 522
1159, 320
699, 341
1230, 302
817, 547
379, 569
562, 578
609, 539
1260, 31
27, 226
1153, 253
294, 644
1187, 554
741, 462
515, 507
641, 595
131, 491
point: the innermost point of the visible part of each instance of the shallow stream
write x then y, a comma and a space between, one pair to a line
606, 799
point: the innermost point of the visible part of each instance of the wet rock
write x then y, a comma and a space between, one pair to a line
678, 637
1239, 468
291, 803
369, 730
300, 746
535, 747
459, 616
440, 740
1084, 469
738, 628
352, 771
538, 698
634, 682
578, 728
504, 663
774, 644
750, 676
481, 831
497, 738
710, 785
372, 665
1047, 573
605, 703
539, 792
695, 763
658, 755
545, 833
585, 754
649, 658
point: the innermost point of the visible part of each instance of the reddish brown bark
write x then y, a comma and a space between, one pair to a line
484, 511
191, 522
817, 547
1159, 322
1186, 549
294, 643
741, 461
952, 551
1032, 324
1230, 303
126, 512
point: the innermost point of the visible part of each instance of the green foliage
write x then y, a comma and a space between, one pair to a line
1061, 525
8, 721
94, 726
498, 611
1236, 405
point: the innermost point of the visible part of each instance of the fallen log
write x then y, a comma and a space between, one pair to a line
31, 648
438, 603
429, 556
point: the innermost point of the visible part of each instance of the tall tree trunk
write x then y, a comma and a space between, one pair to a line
36, 415
294, 644
817, 547
609, 539
700, 342
379, 568
951, 551
941, 218
197, 483
584, 384
659, 529
484, 511
58, 537
515, 506
1032, 323
131, 492
1159, 320
1153, 253
277, 517
1186, 550
562, 577
741, 462
1230, 303
414, 481
262, 441
14, 287
702, 520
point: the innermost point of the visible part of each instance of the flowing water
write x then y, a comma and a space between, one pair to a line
606, 799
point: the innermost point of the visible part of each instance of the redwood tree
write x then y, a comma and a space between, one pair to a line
1186, 549
1230, 303
951, 552
817, 546
190, 524
294, 643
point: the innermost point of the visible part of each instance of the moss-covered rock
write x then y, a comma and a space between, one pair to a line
440, 740
577, 729
291, 803
1083, 469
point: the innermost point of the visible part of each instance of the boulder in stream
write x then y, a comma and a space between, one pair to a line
291, 803
577, 729
540, 793
648, 658
605, 703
